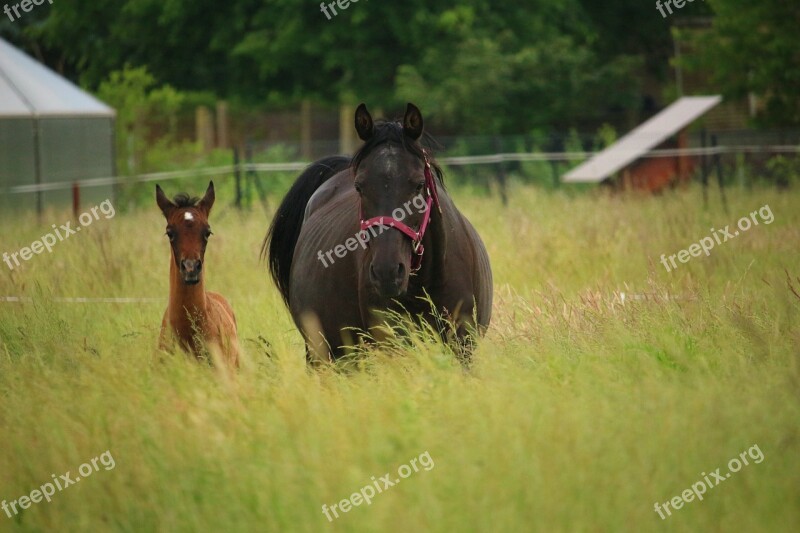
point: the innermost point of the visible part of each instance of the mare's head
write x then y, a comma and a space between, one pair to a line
389, 172
188, 230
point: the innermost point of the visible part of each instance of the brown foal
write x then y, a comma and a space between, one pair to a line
196, 319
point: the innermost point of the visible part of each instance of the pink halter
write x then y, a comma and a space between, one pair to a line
415, 236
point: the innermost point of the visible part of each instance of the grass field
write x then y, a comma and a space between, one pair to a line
584, 407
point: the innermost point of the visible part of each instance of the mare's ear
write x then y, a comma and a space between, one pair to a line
412, 122
208, 200
164, 203
364, 125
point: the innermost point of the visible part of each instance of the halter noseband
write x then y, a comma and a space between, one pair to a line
415, 236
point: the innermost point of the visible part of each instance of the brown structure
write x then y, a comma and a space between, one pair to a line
627, 161
655, 174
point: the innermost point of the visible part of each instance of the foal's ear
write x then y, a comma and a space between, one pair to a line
364, 125
164, 203
412, 122
205, 204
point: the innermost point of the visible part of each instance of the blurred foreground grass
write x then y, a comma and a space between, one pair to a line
583, 409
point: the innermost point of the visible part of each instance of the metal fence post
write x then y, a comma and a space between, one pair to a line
237, 173
720, 177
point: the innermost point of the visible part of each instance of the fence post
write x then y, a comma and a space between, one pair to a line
252, 177
554, 170
237, 173
553, 145
720, 178
223, 125
347, 141
305, 129
501, 171
704, 167
683, 160
204, 128
76, 199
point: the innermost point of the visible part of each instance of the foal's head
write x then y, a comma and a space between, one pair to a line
389, 172
188, 230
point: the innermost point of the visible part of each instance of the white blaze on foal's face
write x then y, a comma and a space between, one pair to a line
188, 216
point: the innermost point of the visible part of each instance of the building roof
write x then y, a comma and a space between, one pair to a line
642, 139
28, 88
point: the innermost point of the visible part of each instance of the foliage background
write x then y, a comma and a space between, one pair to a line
492, 68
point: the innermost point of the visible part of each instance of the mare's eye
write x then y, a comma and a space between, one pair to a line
358, 188
420, 186
170, 235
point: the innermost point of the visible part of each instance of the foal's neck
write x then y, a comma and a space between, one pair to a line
183, 297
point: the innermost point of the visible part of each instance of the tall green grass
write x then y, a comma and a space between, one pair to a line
583, 408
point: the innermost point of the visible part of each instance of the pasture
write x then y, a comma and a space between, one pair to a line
583, 407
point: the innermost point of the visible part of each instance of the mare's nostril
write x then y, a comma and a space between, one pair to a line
388, 279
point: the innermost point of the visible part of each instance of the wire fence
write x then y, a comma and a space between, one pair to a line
453, 161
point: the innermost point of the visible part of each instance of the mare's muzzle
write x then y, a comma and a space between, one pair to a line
389, 267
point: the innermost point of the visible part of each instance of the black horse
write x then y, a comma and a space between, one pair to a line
378, 232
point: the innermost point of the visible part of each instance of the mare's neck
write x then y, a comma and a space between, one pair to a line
435, 240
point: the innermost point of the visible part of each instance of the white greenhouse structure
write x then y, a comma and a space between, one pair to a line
51, 134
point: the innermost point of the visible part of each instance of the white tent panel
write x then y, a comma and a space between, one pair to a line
29, 88
50, 132
11, 105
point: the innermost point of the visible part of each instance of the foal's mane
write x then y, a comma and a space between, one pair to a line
391, 132
184, 200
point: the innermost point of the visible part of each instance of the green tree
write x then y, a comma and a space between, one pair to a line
753, 48
478, 66
508, 68
140, 105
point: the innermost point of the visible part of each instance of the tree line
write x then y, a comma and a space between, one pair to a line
480, 67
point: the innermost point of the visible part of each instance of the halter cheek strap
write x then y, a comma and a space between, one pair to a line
432, 198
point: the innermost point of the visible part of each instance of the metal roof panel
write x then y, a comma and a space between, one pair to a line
642, 139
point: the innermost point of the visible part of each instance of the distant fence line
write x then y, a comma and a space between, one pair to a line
447, 161
82, 300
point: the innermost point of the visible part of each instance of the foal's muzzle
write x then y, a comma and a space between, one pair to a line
190, 271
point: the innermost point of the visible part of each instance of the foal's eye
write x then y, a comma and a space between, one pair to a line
207, 234
170, 235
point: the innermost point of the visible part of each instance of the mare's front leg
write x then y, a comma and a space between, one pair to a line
458, 330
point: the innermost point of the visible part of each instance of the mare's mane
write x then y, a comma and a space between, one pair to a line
391, 132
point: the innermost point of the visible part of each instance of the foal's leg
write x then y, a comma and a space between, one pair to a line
165, 337
222, 325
